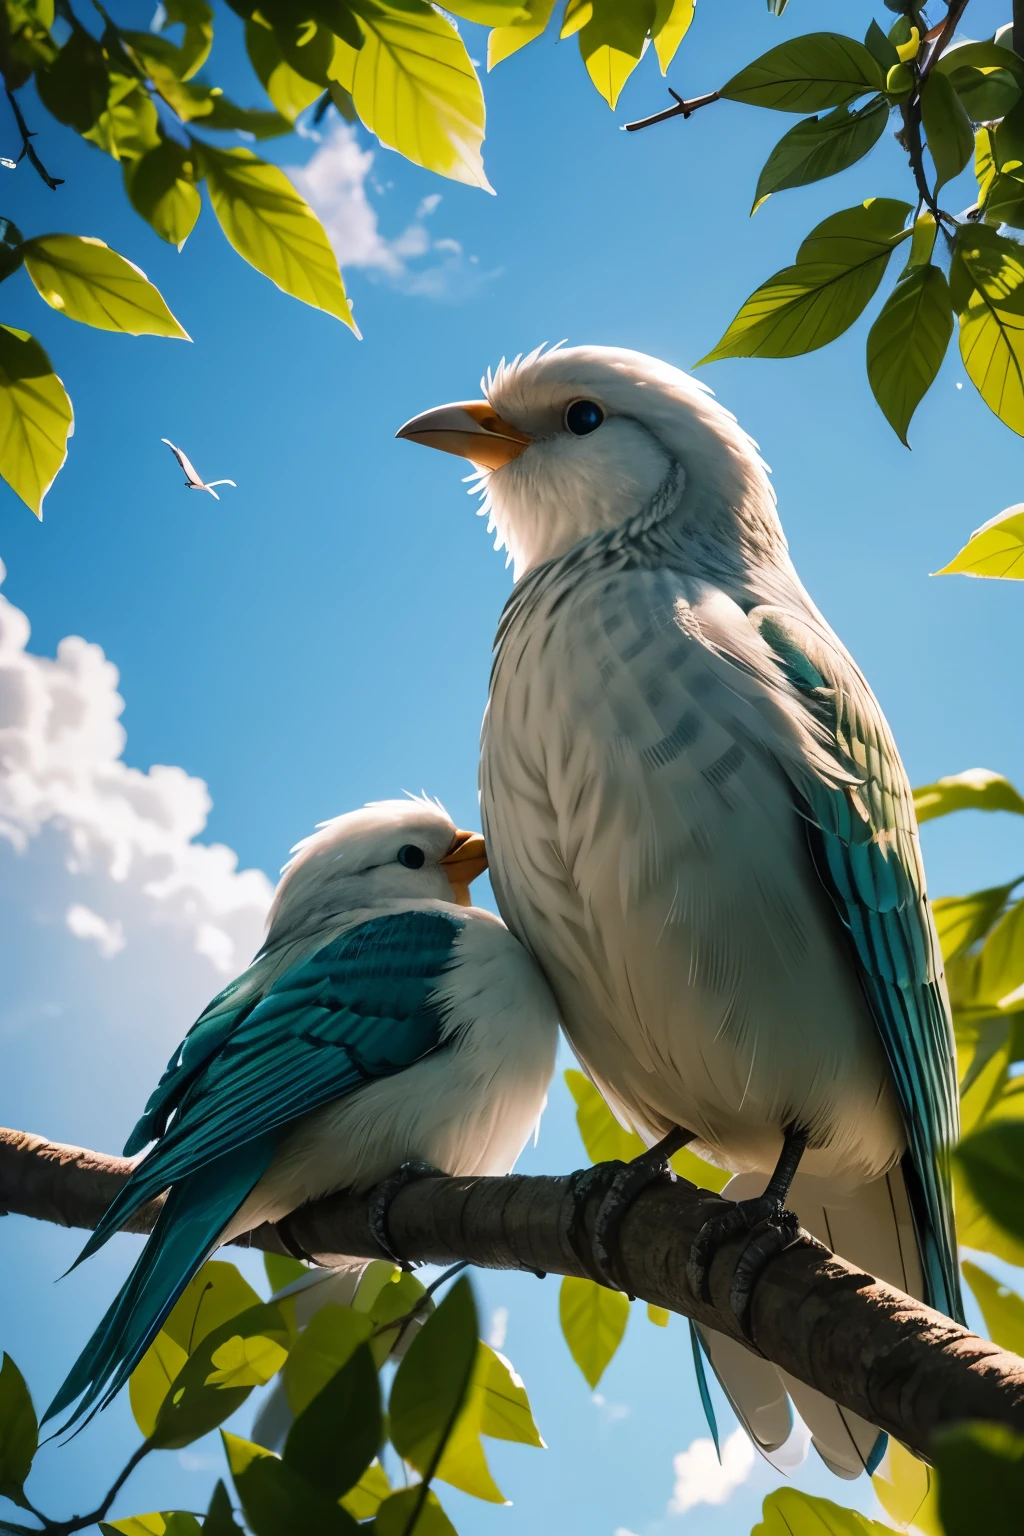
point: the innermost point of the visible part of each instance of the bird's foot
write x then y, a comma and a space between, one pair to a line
629, 1181
582, 1184
380, 1199
770, 1227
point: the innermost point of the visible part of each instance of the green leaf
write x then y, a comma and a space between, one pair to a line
947, 128
807, 74
396, 1515
980, 1468
87, 281
907, 343
35, 418
659, 1316
985, 93
907, 1490
985, 56
822, 146
161, 186
241, 1353
334, 1439
488, 13
593, 1321
804, 307
508, 39
276, 1499
325, 1345
496, 1405
19, 1432
273, 229
962, 920
992, 322
975, 1227
172, 1522
672, 19
789, 1512
290, 91
364, 1500
220, 1518
281, 1270
393, 1304
432, 1382
606, 1140
151, 1380
197, 18
227, 118
129, 126
613, 41
75, 87
11, 241
414, 87
992, 1159
976, 789
995, 549
1002, 1308
881, 49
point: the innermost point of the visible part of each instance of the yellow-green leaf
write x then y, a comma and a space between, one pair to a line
398, 1515
35, 418
976, 789
505, 1412
659, 1316
172, 1522
327, 1342
414, 87
290, 92
19, 1431
364, 1500
151, 1380
87, 281
838, 267
161, 187
672, 20
907, 1490
791, 1512
992, 322
1001, 1307
976, 1229
947, 127
508, 39
961, 921
821, 146
128, 127
613, 41
807, 74
274, 229
994, 549
907, 343
604, 1138
593, 1321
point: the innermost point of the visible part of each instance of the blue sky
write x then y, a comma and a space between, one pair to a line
321, 636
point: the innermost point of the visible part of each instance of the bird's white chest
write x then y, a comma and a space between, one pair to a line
644, 844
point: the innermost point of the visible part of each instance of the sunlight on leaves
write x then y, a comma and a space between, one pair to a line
593, 1322
907, 1490
790, 1512
807, 74
976, 789
1001, 1307
907, 343
19, 1434
996, 549
35, 418
87, 281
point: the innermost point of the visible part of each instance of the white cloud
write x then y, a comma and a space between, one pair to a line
87, 924
499, 1328
620, 1530
611, 1413
119, 925
334, 182
700, 1479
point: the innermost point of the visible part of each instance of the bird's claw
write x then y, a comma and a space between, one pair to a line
771, 1228
582, 1184
630, 1180
380, 1199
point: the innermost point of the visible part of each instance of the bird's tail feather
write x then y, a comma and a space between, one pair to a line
873, 1227
188, 1230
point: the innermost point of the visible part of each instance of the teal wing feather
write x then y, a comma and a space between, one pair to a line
865, 845
359, 1009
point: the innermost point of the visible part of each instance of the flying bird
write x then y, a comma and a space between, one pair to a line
385, 1022
699, 824
192, 479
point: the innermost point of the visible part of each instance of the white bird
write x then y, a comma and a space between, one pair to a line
192, 478
699, 824
385, 1021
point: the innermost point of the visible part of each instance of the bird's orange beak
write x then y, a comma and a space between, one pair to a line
471, 429
466, 858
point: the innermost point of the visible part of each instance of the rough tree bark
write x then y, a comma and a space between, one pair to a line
900, 1365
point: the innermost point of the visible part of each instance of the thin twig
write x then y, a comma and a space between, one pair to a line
82, 1522
53, 182
681, 109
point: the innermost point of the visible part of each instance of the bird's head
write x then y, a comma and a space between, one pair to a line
390, 851
576, 440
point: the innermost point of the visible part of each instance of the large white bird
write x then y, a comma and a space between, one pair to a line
385, 1021
698, 822
193, 479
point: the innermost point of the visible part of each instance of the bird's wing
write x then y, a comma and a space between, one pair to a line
359, 1009
209, 488
865, 845
184, 460
220, 482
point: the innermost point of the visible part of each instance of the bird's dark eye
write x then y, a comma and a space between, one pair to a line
583, 416
411, 856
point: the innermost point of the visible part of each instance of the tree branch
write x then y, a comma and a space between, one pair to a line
53, 182
681, 109
890, 1359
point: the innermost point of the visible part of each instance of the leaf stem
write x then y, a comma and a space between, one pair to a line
53, 182
82, 1522
681, 109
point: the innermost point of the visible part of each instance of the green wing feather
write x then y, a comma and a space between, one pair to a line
865, 846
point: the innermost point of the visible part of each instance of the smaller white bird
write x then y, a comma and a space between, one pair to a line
194, 481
